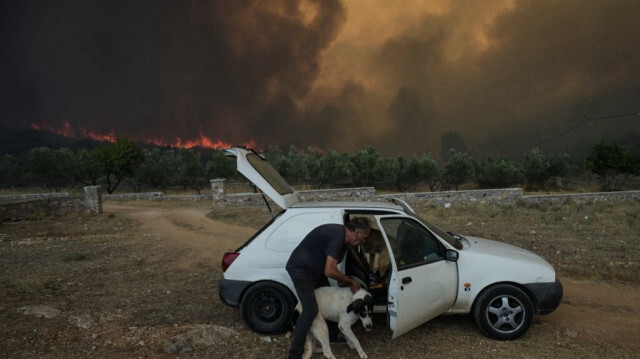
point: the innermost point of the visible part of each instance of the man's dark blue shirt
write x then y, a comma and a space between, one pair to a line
308, 260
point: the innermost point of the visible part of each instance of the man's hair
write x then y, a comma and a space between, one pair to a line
358, 223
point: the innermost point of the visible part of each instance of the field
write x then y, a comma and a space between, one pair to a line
141, 281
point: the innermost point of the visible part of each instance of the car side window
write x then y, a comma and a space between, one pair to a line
414, 243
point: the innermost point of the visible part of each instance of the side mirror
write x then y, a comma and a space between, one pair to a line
451, 255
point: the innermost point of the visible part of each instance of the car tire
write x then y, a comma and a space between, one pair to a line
267, 308
503, 312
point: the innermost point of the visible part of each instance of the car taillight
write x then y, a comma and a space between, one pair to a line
227, 259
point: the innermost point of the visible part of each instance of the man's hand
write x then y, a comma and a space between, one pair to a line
331, 270
352, 284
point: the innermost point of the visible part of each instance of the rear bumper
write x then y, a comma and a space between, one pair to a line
230, 291
546, 297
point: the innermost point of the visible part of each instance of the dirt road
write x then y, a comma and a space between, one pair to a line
593, 314
188, 229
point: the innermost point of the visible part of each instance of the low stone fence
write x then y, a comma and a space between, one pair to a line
193, 197
37, 206
488, 196
221, 199
582, 197
154, 196
30, 196
505, 196
40, 208
341, 194
34, 206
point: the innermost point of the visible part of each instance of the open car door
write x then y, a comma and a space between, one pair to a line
257, 169
423, 283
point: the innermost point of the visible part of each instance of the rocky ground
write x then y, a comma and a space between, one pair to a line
141, 282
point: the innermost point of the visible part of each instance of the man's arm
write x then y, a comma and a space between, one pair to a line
331, 270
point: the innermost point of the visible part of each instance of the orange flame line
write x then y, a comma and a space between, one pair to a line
65, 129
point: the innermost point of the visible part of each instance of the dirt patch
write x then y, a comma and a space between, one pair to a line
200, 239
142, 282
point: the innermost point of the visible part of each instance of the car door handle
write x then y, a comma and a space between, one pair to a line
406, 280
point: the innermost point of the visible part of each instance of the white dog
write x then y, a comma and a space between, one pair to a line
339, 305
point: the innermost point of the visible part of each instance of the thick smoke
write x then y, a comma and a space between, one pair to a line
232, 70
498, 72
332, 74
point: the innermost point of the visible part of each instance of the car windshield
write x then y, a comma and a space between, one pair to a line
442, 234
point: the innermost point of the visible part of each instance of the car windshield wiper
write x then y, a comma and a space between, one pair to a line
457, 236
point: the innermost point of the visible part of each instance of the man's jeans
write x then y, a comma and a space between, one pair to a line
305, 291
307, 298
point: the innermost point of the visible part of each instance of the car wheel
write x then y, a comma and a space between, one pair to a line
503, 312
267, 308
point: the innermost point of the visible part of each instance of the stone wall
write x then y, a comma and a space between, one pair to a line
32, 209
93, 199
582, 197
34, 206
25, 197
37, 206
491, 196
154, 196
487, 196
221, 199
241, 200
341, 194
508, 196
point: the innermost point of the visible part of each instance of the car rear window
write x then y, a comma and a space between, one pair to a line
269, 174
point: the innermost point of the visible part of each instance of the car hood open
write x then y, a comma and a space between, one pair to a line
259, 171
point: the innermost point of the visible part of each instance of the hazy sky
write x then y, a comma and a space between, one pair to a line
332, 74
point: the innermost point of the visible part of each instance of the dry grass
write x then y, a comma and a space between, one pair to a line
106, 268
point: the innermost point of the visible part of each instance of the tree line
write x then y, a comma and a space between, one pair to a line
125, 163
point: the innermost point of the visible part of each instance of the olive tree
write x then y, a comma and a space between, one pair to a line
117, 160
538, 167
500, 173
88, 170
190, 169
459, 169
611, 163
334, 168
10, 171
220, 166
51, 169
364, 162
418, 169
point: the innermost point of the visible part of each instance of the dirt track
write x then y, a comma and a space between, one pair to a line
142, 282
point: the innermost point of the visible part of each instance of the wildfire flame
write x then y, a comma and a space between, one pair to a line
65, 129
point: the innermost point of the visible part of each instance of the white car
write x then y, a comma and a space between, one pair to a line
414, 270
